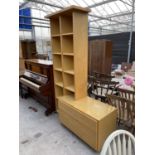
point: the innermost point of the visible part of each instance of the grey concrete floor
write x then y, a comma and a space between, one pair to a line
41, 135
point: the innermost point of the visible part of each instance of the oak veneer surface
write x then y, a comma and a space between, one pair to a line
68, 10
69, 32
89, 106
89, 119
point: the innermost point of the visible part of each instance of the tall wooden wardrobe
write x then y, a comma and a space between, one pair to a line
100, 56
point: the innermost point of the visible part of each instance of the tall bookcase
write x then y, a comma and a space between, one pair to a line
69, 35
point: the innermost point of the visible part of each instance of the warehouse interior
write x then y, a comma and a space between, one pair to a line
69, 50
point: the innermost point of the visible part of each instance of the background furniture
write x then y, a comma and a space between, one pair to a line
106, 77
100, 88
27, 49
127, 94
120, 142
100, 56
70, 46
126, 66
119, 45
42, 56
42, 75
125, 111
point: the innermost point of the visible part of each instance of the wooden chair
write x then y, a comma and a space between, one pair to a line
126, 111
102, 76
120, 142
91, 80
100, 88
127, 94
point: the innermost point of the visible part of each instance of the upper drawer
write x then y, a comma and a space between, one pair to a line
78, 115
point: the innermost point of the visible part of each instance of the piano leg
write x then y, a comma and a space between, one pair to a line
51, 104
24, 93
48, 112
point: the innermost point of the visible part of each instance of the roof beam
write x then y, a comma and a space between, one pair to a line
114, 15
22, 5
34, 18
60, 7
45, 3
99, 28
126, 3
104, 18
101, 3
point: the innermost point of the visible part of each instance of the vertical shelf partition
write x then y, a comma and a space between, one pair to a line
69, 30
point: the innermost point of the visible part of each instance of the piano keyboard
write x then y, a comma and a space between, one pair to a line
30, 84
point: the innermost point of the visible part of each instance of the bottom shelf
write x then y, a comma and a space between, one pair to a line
68, 92
58, 91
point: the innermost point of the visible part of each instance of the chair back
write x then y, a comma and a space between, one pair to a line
102, 76
127, 94
100, 88
125, 110
120, 142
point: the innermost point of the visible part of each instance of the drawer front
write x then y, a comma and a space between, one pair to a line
78, 128
88, 122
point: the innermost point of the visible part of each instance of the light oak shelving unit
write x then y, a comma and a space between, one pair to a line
86, 117
69, 46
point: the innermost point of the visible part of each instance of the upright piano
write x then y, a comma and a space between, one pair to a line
39, 83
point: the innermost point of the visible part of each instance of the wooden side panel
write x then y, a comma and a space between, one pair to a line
21, 65
105, 127
80, 39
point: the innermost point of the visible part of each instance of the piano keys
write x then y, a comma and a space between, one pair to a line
38, 79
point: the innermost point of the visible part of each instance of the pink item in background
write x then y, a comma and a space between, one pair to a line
128, 81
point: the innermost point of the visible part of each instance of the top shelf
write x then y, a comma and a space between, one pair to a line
66, 24
63, 25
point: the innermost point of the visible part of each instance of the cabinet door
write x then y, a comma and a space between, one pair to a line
100, 56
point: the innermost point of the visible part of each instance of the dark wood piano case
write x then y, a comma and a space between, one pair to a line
44, 67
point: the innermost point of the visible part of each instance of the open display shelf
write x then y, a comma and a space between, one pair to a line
56, 45
69, 82
55, 26
59, 91
68, 64
68, 92
67, 43
57, 62
69, 47
58, 78
66, 24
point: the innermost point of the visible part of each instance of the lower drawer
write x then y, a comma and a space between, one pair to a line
87, 135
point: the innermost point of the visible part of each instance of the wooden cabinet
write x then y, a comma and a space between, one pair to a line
69, 31
100, 56
27, 49
89, 119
